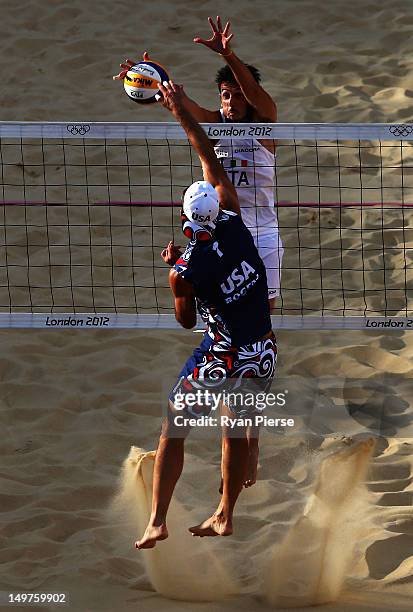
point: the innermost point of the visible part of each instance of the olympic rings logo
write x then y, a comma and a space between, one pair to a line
401, 130
78, 129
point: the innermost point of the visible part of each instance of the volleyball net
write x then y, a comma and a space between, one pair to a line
86, 208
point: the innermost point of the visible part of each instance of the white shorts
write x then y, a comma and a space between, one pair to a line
271, 251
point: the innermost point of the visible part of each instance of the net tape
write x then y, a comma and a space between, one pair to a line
166, 130
88, 206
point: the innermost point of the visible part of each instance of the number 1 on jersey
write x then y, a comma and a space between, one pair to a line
217, 249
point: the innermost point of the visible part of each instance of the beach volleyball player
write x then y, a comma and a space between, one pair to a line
222, 274
250, 163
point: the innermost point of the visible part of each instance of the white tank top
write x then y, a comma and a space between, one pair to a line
251, 167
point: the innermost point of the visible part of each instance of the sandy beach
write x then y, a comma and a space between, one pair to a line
330, 517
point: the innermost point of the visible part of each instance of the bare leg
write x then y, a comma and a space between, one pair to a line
253, 434
271, 304
221, 485
169, 461
234, 470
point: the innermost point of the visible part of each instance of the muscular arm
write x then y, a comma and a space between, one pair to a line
198, 112
212, 170
185, 306
255, 95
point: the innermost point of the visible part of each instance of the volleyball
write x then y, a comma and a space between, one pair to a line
141, 80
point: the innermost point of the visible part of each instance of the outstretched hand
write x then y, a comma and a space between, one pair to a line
127, 65
172, 95
219, 41
171, 254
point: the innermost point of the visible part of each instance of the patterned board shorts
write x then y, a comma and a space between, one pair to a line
237, 376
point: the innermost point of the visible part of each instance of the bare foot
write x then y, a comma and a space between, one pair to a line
151, 536
213, 526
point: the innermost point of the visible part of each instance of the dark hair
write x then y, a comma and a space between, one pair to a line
225, 75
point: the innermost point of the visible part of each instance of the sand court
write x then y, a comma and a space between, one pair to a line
73, 402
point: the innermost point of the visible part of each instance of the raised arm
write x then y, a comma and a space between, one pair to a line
199, 113
255, 95
212, 170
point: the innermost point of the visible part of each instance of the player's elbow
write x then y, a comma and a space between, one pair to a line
189, 325
185, 314
187, 322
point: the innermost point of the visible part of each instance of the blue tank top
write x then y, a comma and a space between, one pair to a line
230, 283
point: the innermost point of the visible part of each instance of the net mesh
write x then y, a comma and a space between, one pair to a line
84, 216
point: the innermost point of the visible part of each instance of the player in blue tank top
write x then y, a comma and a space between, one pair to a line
221, 274
229, 283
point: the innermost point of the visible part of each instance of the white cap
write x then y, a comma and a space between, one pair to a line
201, 203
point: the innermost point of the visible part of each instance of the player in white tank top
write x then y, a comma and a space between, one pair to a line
243, 100
251, 167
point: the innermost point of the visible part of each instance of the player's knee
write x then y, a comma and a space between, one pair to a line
235, 443
170, 429
173, 425
232, 425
